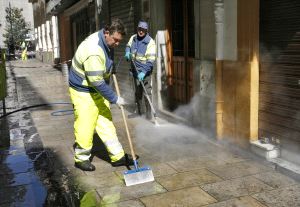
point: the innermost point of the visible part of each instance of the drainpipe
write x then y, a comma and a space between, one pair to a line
219, 21
98, 9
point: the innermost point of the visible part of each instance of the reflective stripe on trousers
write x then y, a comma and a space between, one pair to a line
92, 112
82, 154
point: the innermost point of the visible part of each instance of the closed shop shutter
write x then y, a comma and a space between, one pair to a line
279, 93
126, 11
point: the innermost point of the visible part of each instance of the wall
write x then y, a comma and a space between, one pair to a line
200, 112
64, 40
203, 103
226, 69
240, 73
157, 22
45, 29
39, 9
230, 30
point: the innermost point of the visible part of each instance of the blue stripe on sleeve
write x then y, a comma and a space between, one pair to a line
106, 91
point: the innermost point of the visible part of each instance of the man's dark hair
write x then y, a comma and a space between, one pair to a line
116, 25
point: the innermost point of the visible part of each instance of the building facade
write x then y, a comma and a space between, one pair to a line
45, 32
228, 67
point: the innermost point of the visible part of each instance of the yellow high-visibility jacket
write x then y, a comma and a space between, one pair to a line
143, 52
91, 67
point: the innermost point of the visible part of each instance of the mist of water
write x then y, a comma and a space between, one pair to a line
170, 141
199, 113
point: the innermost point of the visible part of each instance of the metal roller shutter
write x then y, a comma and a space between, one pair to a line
279, 93
126, 11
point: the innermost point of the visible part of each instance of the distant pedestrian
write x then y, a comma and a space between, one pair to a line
24, 50
91, 96
141, 50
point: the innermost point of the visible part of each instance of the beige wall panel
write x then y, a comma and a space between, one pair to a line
240, 78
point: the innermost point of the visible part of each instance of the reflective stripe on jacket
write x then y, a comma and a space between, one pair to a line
143, 52
91, 67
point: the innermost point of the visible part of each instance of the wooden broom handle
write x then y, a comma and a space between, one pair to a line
124, 118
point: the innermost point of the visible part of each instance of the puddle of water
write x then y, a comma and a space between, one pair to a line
19, 182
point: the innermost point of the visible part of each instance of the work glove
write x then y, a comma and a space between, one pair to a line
127, 56
120, 101
141, 76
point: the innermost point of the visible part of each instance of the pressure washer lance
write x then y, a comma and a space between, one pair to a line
148, 98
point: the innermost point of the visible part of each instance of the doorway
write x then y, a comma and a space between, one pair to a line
181, 46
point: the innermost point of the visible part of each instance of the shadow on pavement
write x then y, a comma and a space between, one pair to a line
99, 149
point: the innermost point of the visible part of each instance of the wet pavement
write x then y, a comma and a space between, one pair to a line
190, 169
20, 183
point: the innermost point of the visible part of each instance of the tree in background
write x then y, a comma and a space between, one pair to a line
16, 28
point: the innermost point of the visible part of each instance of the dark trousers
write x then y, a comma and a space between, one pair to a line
139, 93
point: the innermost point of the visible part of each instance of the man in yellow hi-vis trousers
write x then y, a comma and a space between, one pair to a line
91, 96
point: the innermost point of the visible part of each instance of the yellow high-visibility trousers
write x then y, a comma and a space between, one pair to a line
24, 54
92, 112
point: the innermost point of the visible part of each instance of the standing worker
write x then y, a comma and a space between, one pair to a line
91, 95
24, 50
141, 50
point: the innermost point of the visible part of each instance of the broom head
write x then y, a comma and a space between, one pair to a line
138, 176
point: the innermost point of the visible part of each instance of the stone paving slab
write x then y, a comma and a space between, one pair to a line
187, 179
53, 131
245, 201
117, 194
240, 169
235, 188
188, 164
190, 197
63, 154
227, 157
160, 169
130, 203
100, 180
275, 180
103, 167
284, 197
45, 123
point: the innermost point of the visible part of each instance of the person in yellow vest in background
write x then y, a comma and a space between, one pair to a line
91, 96
141, 50
24, 50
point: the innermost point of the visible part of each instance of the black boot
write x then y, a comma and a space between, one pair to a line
126, 160
85, 165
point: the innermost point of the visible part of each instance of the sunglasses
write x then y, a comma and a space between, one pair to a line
142, 29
